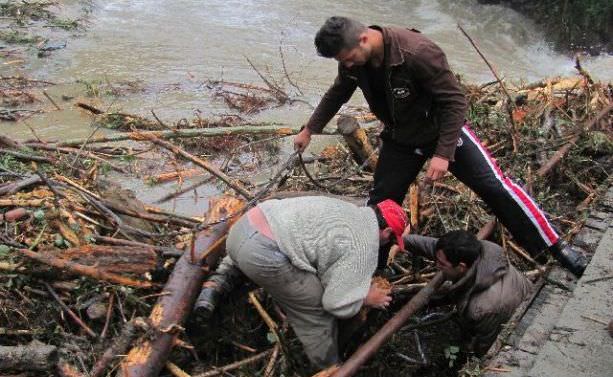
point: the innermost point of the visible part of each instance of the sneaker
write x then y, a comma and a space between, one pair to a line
570, 258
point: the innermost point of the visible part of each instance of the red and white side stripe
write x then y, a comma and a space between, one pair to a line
524, 200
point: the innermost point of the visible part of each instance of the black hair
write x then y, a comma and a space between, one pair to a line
459, 246
336, 34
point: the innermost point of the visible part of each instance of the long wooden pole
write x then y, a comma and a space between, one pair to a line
421, 299
265, 129
169, 313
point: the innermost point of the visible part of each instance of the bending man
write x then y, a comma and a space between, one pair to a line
315, 256
409, 86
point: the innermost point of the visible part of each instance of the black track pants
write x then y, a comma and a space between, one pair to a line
398, 167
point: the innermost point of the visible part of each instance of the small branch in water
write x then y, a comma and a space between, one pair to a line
504, 88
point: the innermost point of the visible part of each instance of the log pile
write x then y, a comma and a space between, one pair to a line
106, 282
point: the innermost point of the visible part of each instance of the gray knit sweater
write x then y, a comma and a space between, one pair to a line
333, 239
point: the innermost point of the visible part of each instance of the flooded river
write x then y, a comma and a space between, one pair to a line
173, 46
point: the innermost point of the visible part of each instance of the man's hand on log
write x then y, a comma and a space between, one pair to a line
302, 140
436, 169
379, 298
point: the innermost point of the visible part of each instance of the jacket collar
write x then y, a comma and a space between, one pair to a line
392, 52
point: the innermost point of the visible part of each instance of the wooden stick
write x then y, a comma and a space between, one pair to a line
504, 88
421, 299
414, 205
560, 153
120, 345
107, 320
68, 311
255, 129
519, 251
203, 164
80, 269
235, 365
118, 241
51, 100
270, 366
175, 370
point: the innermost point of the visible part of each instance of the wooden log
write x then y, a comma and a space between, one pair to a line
35, 356
356, 138
421, 299
126, 259
90, 271
255, 130
183, 286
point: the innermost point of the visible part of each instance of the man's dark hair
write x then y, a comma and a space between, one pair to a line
459, 246
336, 34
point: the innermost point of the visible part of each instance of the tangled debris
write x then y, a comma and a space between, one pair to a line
85, 263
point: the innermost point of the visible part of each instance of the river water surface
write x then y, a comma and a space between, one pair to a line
173, 46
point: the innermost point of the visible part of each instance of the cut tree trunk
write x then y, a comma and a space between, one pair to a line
357, 140
183, 286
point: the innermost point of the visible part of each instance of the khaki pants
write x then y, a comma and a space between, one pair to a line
296, 291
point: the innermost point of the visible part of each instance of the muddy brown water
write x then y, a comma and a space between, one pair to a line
172, 47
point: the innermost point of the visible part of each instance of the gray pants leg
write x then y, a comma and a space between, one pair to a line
296, 291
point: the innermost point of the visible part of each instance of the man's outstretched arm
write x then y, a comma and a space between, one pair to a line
339, 93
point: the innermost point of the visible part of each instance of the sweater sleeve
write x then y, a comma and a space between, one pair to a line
346, 283
449, 101
339, 93
421, 245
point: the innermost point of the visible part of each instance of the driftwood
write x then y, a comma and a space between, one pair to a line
560, 153
351, 366
170, 311
357, 140
35, 356
135, 260
203, 164
80, 269
186, 133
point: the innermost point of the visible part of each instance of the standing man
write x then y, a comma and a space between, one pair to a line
409, 86
316, 257
486, 288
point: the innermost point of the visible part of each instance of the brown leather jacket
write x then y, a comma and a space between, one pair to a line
486, 296
424, 104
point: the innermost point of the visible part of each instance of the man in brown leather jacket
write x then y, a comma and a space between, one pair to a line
409, 86
486, 288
